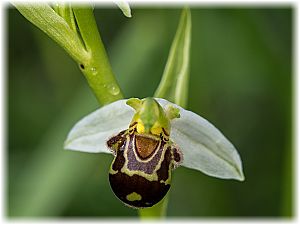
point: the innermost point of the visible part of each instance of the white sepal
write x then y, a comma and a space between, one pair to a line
203, 146
91, 133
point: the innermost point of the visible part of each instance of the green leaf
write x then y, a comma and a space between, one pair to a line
174, 83
55, 26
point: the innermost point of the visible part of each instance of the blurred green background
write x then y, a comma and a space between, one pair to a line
240, 80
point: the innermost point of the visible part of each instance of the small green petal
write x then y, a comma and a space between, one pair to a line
134, 103
172, 112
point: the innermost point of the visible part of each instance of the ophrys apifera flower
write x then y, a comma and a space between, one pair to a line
149, 138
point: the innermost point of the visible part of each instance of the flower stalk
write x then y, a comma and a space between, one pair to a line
157, 211
96, 68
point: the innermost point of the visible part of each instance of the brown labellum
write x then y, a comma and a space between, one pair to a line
140, 174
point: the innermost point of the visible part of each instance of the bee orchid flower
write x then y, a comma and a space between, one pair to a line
149, 138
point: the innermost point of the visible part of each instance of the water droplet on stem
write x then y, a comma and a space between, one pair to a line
113, 89
94, 71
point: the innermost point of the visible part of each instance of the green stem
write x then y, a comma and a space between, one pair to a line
96, 68
157, 211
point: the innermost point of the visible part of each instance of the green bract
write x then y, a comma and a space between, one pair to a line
203, 146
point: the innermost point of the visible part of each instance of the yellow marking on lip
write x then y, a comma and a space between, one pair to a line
140, 128
149, 177
156, 129
134, 197
113, 172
